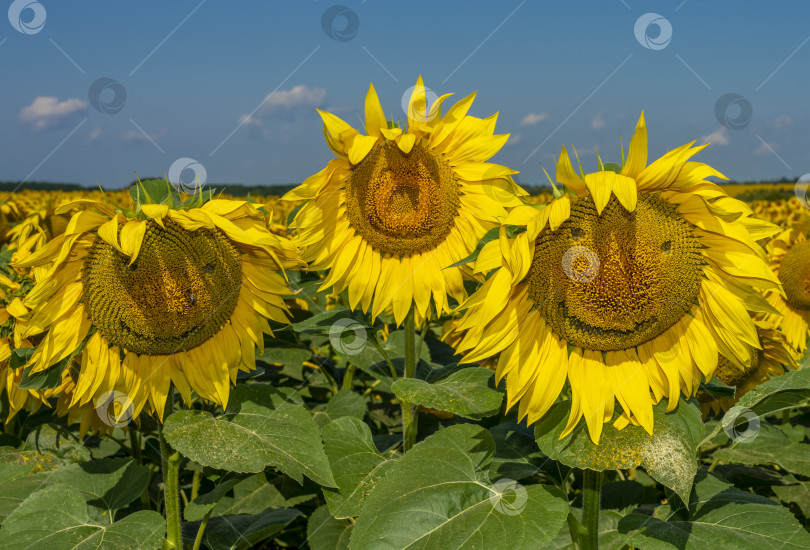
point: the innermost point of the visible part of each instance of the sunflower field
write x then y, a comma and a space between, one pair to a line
409, 351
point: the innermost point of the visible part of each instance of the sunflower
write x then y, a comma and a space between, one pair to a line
398, 206
789, 255
627, 285
165, 294
774, 355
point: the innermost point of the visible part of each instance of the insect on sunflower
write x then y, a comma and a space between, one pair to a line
398, 206
627, 285
170, 293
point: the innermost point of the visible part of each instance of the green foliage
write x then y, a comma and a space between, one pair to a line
260, 428
668, 455
57, 517
309, 453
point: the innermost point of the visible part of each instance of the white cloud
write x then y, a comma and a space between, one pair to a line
514, 139
533, 118
94, 135
719, 137
765, 149
137, 135
47, 111
597, 123
282, 105
782, 122
298, 97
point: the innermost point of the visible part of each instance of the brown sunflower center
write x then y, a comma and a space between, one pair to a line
619, 279
402, 204
179, 292
794, 274
730, 374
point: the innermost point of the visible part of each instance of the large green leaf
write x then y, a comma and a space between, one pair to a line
776, 394
57, 517
17, 483
251, 496
333, 323
439, 496
260, 428
371, 360
200, 506
723, 517
356, 465
669, 455
464, 392
516, 453
609, 536
243, 531
327, 533
46, 439
343, 403
109, 483
771, 446
798, 494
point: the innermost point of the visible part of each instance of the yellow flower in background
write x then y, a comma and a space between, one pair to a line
158, 296
398, 206
771, 359
789, 255
627, 286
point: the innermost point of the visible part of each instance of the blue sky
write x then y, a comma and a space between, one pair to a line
234, 85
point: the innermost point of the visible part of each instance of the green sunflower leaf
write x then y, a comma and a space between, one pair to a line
609, 536
439, 495
327, 533
512, 231
465, 393
335, 323
17, 482
356, 464
110, 483
200, 506
723, 517
344, 403
242, 531
19, 357
669, 455
768, 445
250, 496
57, 517
260, 428
798, 494
777, 394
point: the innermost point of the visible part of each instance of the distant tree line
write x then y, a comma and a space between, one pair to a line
238, 189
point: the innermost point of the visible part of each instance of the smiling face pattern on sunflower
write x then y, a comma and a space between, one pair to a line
628, 285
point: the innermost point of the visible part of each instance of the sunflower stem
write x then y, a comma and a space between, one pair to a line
170, 464
591, 489
348, 377
409, 413
201, 530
